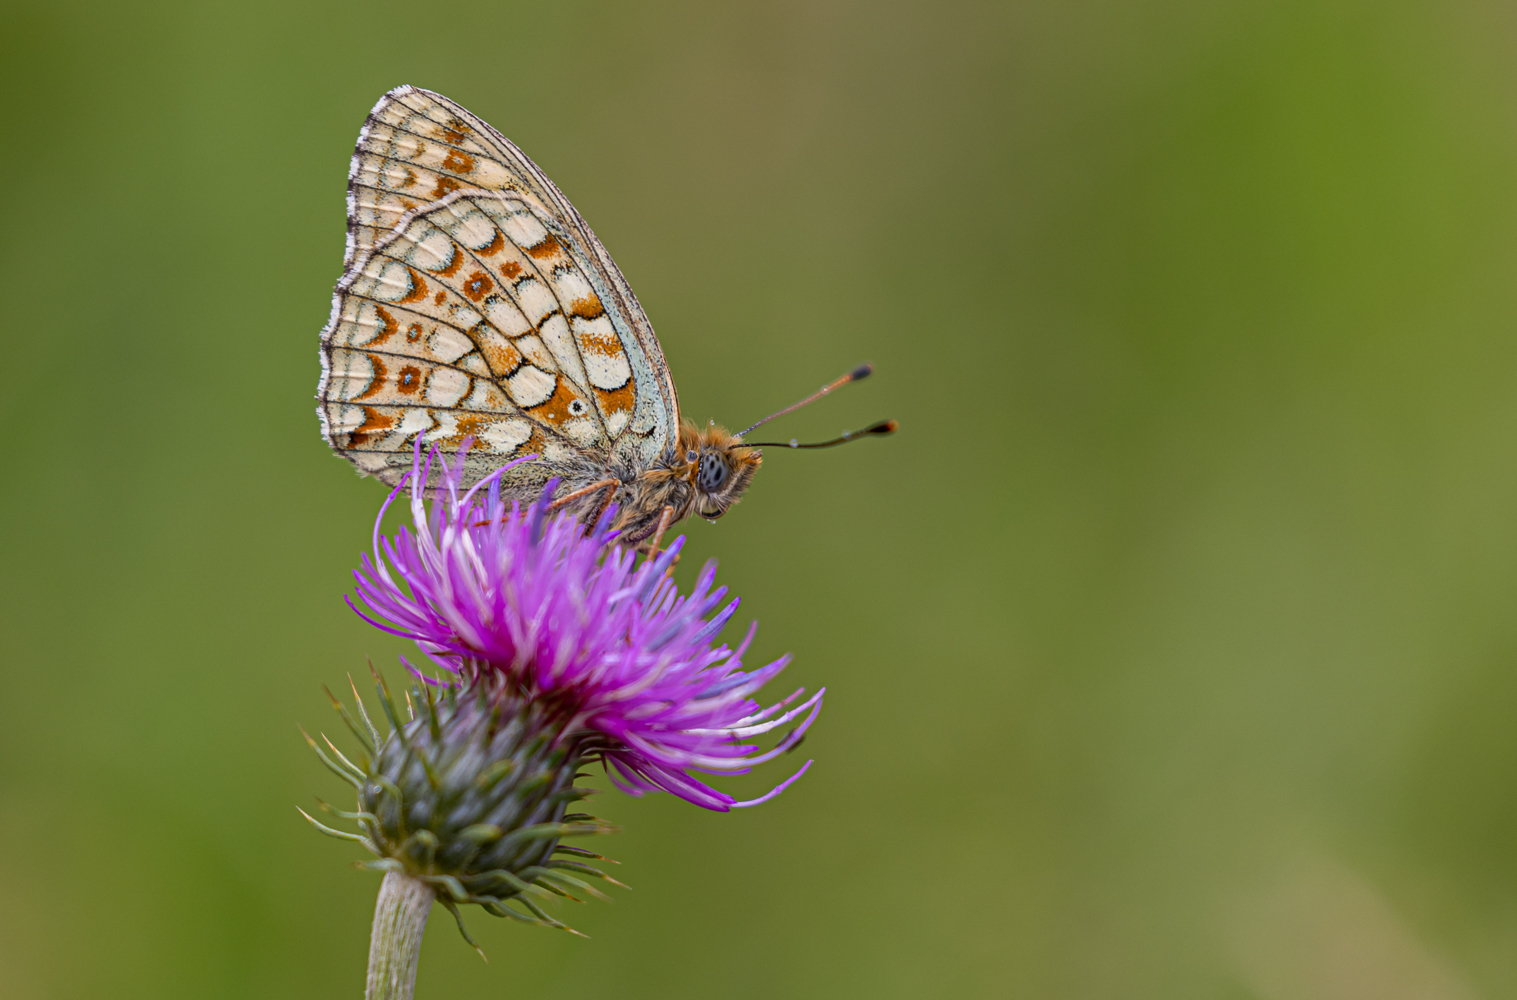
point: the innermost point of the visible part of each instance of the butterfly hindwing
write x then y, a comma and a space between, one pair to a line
476, 303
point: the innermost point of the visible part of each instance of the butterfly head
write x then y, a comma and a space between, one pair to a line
710, 468
717, 466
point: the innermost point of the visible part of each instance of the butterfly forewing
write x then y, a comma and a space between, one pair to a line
476, 303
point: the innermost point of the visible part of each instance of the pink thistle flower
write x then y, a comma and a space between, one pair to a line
546, 613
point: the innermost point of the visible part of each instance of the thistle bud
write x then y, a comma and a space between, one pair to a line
470, 795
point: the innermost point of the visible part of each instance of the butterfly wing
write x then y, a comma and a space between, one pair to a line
475, 302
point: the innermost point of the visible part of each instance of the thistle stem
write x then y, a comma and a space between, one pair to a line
400, 917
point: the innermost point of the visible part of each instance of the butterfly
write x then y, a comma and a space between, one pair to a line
475, 305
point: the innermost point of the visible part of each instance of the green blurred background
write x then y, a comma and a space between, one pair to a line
1171, 644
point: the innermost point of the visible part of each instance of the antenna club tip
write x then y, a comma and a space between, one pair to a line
885, 427
863, 371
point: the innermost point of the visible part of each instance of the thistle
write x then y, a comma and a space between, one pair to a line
549, 648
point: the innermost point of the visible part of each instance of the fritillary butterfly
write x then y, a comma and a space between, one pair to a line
476, 304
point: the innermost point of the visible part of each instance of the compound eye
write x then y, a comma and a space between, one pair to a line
712, 474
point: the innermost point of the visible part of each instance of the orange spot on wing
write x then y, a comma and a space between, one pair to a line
617, 400
444, 185
437, 301
604, 344
377, 382
418, 288
494, 247
588, 307
408, 380
511, 269
459, 163
555, 410
453, 131
410, 179
469, 426
375, 424
389, 326
547, 248
413, 333
454, 264
501, 355
478, 285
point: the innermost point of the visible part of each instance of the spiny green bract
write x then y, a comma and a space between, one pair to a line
469, 795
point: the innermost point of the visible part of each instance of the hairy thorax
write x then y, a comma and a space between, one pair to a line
705, 474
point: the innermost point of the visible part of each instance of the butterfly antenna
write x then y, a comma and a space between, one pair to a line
861, 372
881, 428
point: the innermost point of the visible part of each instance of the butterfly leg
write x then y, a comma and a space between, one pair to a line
600, 511
665, 518
609, 485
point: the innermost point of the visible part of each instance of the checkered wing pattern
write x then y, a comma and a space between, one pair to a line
476, 303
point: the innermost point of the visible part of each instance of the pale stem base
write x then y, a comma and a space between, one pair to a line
400, 917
